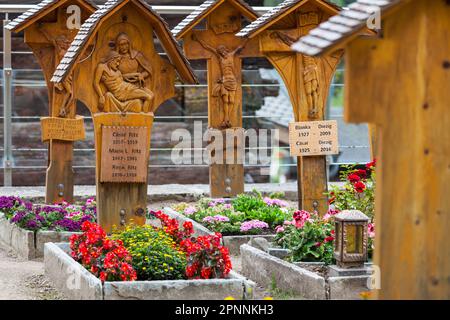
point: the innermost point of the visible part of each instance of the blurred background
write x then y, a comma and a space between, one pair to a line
266, 105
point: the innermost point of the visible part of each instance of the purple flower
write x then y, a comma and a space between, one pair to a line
18, 216
253, 224
275, 202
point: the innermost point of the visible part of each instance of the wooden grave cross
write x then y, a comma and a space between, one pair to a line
122, 79
401, 83
48, 35
224, 53
307, 80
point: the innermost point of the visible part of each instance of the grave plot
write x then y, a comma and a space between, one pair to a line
238, 220
144, 262
26, 228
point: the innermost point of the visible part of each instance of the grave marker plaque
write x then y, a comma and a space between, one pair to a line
124, 154
62, 129
313, 138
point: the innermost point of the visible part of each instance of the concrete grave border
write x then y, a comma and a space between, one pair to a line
75, 282
28, 244
266, 270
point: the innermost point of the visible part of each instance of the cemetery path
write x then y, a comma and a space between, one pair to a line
23, 280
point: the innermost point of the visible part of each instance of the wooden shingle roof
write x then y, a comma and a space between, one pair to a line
271, 16
344, 26
38, 11
204, 10
90, 26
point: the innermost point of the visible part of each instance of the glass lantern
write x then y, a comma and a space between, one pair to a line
351, 236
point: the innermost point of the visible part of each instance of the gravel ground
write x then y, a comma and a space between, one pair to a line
23, 280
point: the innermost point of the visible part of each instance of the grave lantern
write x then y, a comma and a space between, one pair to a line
350, 246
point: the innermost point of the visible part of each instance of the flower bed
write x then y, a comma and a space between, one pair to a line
146, 262
239, 220
247, 214
26, 228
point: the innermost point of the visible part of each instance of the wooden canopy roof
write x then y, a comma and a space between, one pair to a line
279, 12
91, 25
205, 9
344, 27
39, 11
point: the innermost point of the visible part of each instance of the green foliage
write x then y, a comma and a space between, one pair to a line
227, 218
154, 253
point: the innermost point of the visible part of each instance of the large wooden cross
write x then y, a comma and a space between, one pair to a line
308, 81
224, 53
48, 34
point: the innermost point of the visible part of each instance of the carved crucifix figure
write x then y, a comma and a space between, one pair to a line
226, 86
60, 43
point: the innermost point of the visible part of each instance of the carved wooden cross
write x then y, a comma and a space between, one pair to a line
307, 80
47, 34
224, 53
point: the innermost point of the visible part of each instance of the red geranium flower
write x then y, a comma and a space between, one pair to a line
371, 165
353, 178
359, 187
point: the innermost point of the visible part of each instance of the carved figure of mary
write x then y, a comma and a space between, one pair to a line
133, 65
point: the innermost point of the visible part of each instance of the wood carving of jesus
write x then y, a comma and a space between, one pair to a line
227, 85
61, 43
120, 95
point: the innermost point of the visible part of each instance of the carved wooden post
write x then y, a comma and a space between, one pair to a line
401, 83
49, 29
224, 53
120, 77
307, 80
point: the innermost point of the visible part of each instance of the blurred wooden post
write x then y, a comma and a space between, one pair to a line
49, 30
401, 83
122, 79
224, 53
307, 80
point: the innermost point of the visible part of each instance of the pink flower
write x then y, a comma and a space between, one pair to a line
300, 217
279, 229
371, 230
190, 210
275, 202
253, 224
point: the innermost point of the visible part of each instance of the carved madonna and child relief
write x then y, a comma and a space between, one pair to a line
225, 87
122, 77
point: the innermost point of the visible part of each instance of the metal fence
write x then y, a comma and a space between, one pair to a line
353, 139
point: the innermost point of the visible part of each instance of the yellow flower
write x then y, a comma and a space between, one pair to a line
268, 298
230, 298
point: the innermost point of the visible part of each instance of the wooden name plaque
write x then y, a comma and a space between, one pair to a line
124, 156
54, 128
313, 138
